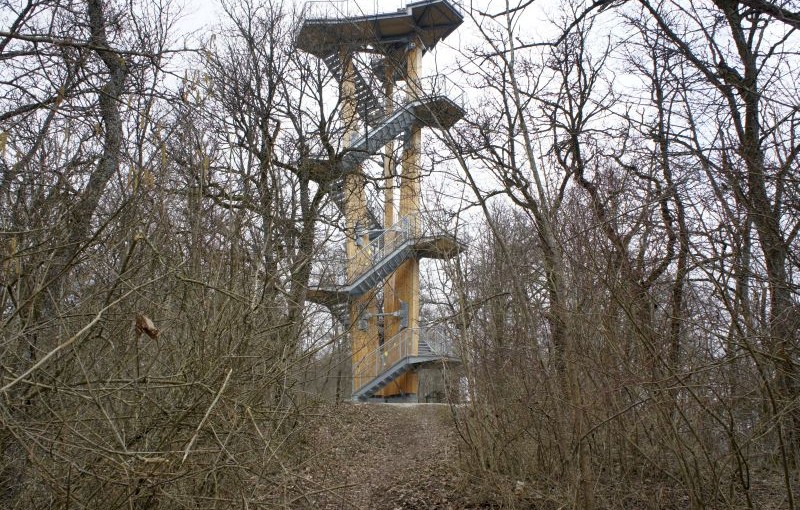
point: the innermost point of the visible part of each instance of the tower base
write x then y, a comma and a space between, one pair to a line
410, 398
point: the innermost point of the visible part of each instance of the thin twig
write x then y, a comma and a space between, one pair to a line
60, 347
208, 412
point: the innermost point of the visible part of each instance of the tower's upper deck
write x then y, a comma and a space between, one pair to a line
327, 25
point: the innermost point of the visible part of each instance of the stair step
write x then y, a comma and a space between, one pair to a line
381, 380
364, 93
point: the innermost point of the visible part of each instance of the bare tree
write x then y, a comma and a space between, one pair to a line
134, 201
653, 202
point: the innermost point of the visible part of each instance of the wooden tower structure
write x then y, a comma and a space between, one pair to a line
384, 107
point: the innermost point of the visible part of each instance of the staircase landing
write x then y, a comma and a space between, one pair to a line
327, 25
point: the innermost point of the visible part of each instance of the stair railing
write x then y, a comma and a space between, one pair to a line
438, 340
435, 85
342, 9
331, 270
409, 227
431, 87
376, 362
400, 346
372, 253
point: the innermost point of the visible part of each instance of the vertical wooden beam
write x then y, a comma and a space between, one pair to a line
391, 303
388, 155
352, 190
364, 341
406, 278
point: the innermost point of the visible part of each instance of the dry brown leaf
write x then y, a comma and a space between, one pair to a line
146, 326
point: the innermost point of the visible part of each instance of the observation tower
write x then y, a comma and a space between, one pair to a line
376, 58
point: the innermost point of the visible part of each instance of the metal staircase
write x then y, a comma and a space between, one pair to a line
375, 225
397, 356
387, 248
384, 254
369, 108
407, 238
440, 108
381, 257
369, 144
426, 110
374, 138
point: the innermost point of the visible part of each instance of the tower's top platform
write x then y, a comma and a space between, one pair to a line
325, 26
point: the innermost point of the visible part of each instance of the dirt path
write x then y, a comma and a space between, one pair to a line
384, 456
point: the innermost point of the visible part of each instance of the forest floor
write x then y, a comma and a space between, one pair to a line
383, 456
406, 456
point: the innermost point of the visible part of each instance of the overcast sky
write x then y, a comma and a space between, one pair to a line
201, 15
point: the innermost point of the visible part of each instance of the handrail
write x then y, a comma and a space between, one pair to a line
409, 227
341, 9
438, 340
418, 226
344, 9
384, 244
429, 87
434, 85
400, 346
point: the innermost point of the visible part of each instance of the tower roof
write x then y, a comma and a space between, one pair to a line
327, 25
